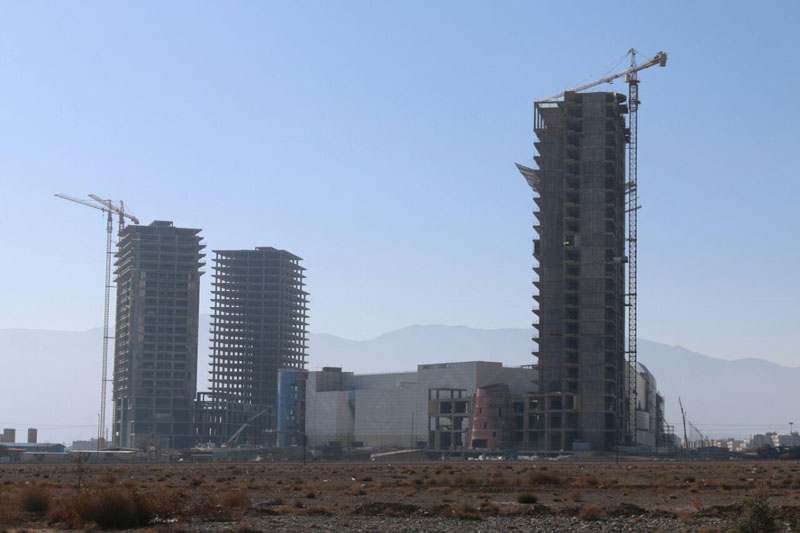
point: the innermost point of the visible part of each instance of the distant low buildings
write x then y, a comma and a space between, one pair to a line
753, 442
392, 410
451, 407
84, 445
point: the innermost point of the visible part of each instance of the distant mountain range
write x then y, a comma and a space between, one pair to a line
52, 378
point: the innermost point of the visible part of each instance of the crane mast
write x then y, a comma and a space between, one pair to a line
632, 208
109, 208
631, 77
101, 425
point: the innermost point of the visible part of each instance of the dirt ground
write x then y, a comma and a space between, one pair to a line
436, 496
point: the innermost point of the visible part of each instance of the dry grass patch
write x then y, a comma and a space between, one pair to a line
10, 514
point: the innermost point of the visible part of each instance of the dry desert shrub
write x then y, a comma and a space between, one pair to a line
543, 478
165, 502
34, 499
527, 498
356, 490
235, 499
489, 508
108, 508
108, 477
467, 480
757, 517
499, 479
591, 512
575, 496
467, 512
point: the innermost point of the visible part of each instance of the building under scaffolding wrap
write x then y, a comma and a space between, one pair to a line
579, 190
258, 327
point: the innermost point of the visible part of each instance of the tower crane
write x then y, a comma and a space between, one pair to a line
109, 208
631, 77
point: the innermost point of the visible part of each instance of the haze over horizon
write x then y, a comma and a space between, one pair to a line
715, 406
205, 317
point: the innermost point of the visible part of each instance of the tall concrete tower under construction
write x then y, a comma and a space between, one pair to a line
258, 337
579, 191
155, 357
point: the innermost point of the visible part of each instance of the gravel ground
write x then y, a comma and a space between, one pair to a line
453, 496
491, 524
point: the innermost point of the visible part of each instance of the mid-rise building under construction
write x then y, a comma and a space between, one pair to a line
155, 357
259, 321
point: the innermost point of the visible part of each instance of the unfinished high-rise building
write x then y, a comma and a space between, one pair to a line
155, 357
579, 190
258, 327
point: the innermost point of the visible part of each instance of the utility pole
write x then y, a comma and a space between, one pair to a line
412, 430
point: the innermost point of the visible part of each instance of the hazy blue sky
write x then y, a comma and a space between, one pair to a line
377, 140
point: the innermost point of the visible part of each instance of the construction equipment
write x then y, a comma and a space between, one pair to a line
109, 208
231, 442
659, 59
631, 77
685, 436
